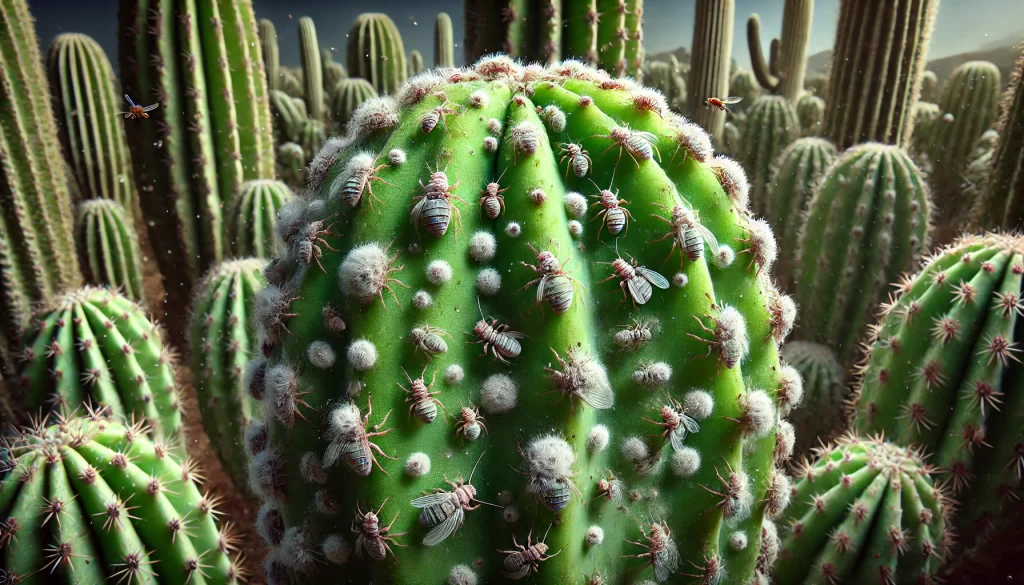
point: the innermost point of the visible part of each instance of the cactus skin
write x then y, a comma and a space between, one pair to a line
291, 165
892, 57
251, 230
770, 127
311, 136
687, 507
415, 63
94, 346
271, 54
904, 537
222, 341
873, 208
976, 176
201, 62
444, 41
926, 116
376, 53
347, 97
312, 69
709, 63
87, 466
289, 114
929, 87
810, 110
332, 72
935, 392
822, 409
1003, 198
743, 84
37, 251
291, 82
108, 247
795, 174
817, 85
784, 73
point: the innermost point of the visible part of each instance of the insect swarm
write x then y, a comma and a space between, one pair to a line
520, 563
613, 215
424, 405
433, 208
634, 278
443, 511
554, 284
373, 539
349, 440
429, 340
470, 423
358, 177
579, 159
676, 422
583, 378
497, 338
661, 550
688, 234
137, 112
549, 462
638, 144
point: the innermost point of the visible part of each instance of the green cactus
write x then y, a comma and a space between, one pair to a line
817, 85
666, 77
821, 413
929, 87
37, 251
346, 343
291, 165
893, 57
289, 114
311, 136
926, 116
976, 176
444, 41
94, 346
222, 341
347, 97
940, 369
709, 63
291, 82
332, 72
312, 69
271, 54
91, 501
251, 225
770, 127
200, 61
783, 74
743, 84
810, 110
108, 247
866, 511
376, 53
873, 209
415, 63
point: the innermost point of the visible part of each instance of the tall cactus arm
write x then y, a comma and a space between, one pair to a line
763, 71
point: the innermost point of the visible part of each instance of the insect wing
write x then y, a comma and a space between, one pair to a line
675, 437
690, 424
709, 237
151, 107
598, 395
431, 500
514, 334
360, 544
617, 490
652, 276
731, 100
439, 533
540, 288
336, 450
666, 561
519, 573
640, 293
414, 217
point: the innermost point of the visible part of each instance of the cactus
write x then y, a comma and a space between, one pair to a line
37, 251
291, 82
347, 97
866, 511
291, 165
873, 209
770, 127
822, 410
667, 78
892, 57
929, 87
709, 63
90, 500
817, 85
444, 41
810, 110
926, 116
795, 174
109, 247
251, 229
332, 72
348, 348
91, 128
940, 369
271, 54
415, 63
311, 136
784, 73
211, 133
743, 84
976, 175
289, 114
94, 346
312, 69
221, 342
376, 53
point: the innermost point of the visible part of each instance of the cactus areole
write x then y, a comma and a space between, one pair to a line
464, 392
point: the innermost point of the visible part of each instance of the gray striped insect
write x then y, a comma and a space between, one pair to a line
635, 278
638, 144
661, 551
615, 216
471, 423
549, 467
308, 247
424, 405
429, 339
526, 559
350, 442
433, 208
554, 284
636, 336
498, 339
492, 203
430, 119
372, 538
688, 234
443, 511
579, 159
358, 176
676, 422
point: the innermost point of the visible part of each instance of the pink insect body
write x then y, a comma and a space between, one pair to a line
372, 539
424, 405
676, 422
136, 112
443, 511
661, 551
615, 216
433, 208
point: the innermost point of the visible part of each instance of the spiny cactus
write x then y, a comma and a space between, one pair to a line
97, 347
820, 416
926, 116
332, 72
251, 229
416, 65
291, 82
940, 372
667, 77
395, 298
863, 60
37, 251
291, 165
743, 84
770, 127
810, 110
222, 341
108, 247
866, 511
929, 87
346, 99
376, 53
976, 176
873, 210
311, 136
271, 53
709, 63
444, 41
289, 114
90, 500
211, 133
312, 69
783, 74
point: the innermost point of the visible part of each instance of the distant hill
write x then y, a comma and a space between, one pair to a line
1003, 56
818, 63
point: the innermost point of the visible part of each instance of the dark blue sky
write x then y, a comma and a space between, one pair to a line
962, 25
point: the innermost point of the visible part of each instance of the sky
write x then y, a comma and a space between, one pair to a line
962, 25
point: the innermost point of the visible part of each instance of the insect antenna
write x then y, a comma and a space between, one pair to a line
545, 538
474, 467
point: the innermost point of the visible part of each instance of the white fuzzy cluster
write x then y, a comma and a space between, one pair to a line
311, 468
344, 424
321, 354
326, 503
324, 159
362, 354
280, 384
598, 438
575, 204
270, 524
594, 536
254, 377
738, 540
479, 99
538, 196
733, 179
296, 552
374, 115
575, 228
494, 126
513, 229
421, 299
549, 457
725, 257
488, 282
762, 243
693, 138
653, 375
363, 273
780, 490
290, 217
634, 450
417, 465
685, 462
680, 280
510, 513
732, 326
462, 575
742, 500
491, 144
336, 549
698, 404
791, 389
785, 441
482, 246
439, 272
396, 157
257, 438
419, 87
770, 543
758, 413
498, 394
555, 118
525, 137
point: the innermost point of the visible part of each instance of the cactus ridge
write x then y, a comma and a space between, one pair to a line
824, 395
376, 53
312, 69
347, 97
109, 247
770, 126
251, 227
416, 65
271, 53
709, 63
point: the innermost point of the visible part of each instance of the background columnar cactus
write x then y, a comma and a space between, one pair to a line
873, 209
108, 247
37, 251
810, 110
90, 500
222, 341
941, 368
929, 87
926, 116
291, 82
251, 230
397, 298
415, 63
866, 58
291, 165
783, 74
332, 72
977, 171
865, 512
376, 52
709, 63
743, 84
667, 77
817, 85
346, 99
312, 69
770, 127
820, 416
97, 347
444, 41
271, 54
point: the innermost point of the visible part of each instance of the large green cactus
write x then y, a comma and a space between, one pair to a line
312, 69
770, 127
942, 371
251, 229
376, 53
867, 223
926, 116
92, 501
108, 246
398, 297
783, 74
200, 61
709, 63
821, 414
222, 341
865, 512
271, 53
444, 41
37, 251
346, 99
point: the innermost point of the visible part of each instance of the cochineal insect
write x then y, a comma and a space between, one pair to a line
635, 278
661, 551
549, 467
443, 511
424, 405
492, 203
429, 340
554, 284
308, 246
349, 440
433, 209
520, 563
137, 112
471, 423
371, 538
688, 234
676, 422
579, 159
615, 216
498, 339
638, 144
358, 176
430, 119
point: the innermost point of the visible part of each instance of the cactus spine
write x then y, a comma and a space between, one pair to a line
770, 127
346, 99
109, 247
376, 53
784, 73
312, 69
709, 63
271, 54
821, 411
251, 225
444, 41
868, 57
